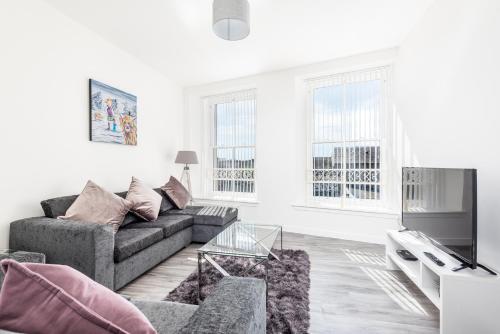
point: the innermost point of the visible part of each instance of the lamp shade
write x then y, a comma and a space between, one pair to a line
186, 157
231, 19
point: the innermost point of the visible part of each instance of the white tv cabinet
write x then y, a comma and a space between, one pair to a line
468, 300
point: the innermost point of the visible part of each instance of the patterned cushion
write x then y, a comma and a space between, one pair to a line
131, 241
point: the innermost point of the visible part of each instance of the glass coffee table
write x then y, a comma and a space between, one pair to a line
241, 240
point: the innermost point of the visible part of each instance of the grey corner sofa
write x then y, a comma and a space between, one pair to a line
114, 260
236, 306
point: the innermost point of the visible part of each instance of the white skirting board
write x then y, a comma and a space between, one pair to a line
468, 300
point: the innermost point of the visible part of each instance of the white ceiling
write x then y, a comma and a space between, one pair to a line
175, 36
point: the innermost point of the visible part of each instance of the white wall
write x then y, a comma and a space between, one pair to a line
448, 89
46, 60
281, 151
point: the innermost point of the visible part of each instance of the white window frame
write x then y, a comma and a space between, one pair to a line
209, 105
386, 185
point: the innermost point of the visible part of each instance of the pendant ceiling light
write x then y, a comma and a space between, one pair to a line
231, 19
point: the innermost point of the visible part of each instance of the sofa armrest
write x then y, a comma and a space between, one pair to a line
236, 306
87, 247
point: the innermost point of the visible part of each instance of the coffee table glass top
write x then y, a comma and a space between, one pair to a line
243, 240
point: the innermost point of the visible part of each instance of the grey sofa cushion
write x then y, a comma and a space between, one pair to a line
166, 317
166, 204
122, 194
136, 265
208, 215
58, 206
170, 224
130, 218
131, 241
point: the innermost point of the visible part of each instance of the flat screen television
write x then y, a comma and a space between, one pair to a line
441, 205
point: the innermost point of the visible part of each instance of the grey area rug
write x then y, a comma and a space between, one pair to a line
288, 287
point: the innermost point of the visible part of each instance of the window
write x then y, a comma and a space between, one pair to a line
232, 150
346, 160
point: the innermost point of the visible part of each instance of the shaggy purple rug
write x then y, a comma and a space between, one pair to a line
288, 287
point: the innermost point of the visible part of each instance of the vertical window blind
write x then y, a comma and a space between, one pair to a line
232, 166
346, 149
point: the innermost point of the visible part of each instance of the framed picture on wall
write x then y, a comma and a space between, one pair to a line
113, 114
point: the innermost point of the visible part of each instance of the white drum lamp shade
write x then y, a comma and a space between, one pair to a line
231, 19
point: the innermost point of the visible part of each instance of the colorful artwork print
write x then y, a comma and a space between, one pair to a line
113, 115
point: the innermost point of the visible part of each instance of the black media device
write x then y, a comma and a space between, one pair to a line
406, 255
440, 204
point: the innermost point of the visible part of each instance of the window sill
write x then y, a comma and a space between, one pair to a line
214, 200
380, 213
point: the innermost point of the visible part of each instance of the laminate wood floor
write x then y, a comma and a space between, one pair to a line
351, 291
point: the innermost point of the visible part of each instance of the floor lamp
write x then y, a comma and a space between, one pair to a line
187, 158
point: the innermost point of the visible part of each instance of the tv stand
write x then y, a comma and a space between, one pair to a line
455, 293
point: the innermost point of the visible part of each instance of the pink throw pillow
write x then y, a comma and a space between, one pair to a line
145, 201
49, 298
177, 193
97, 205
